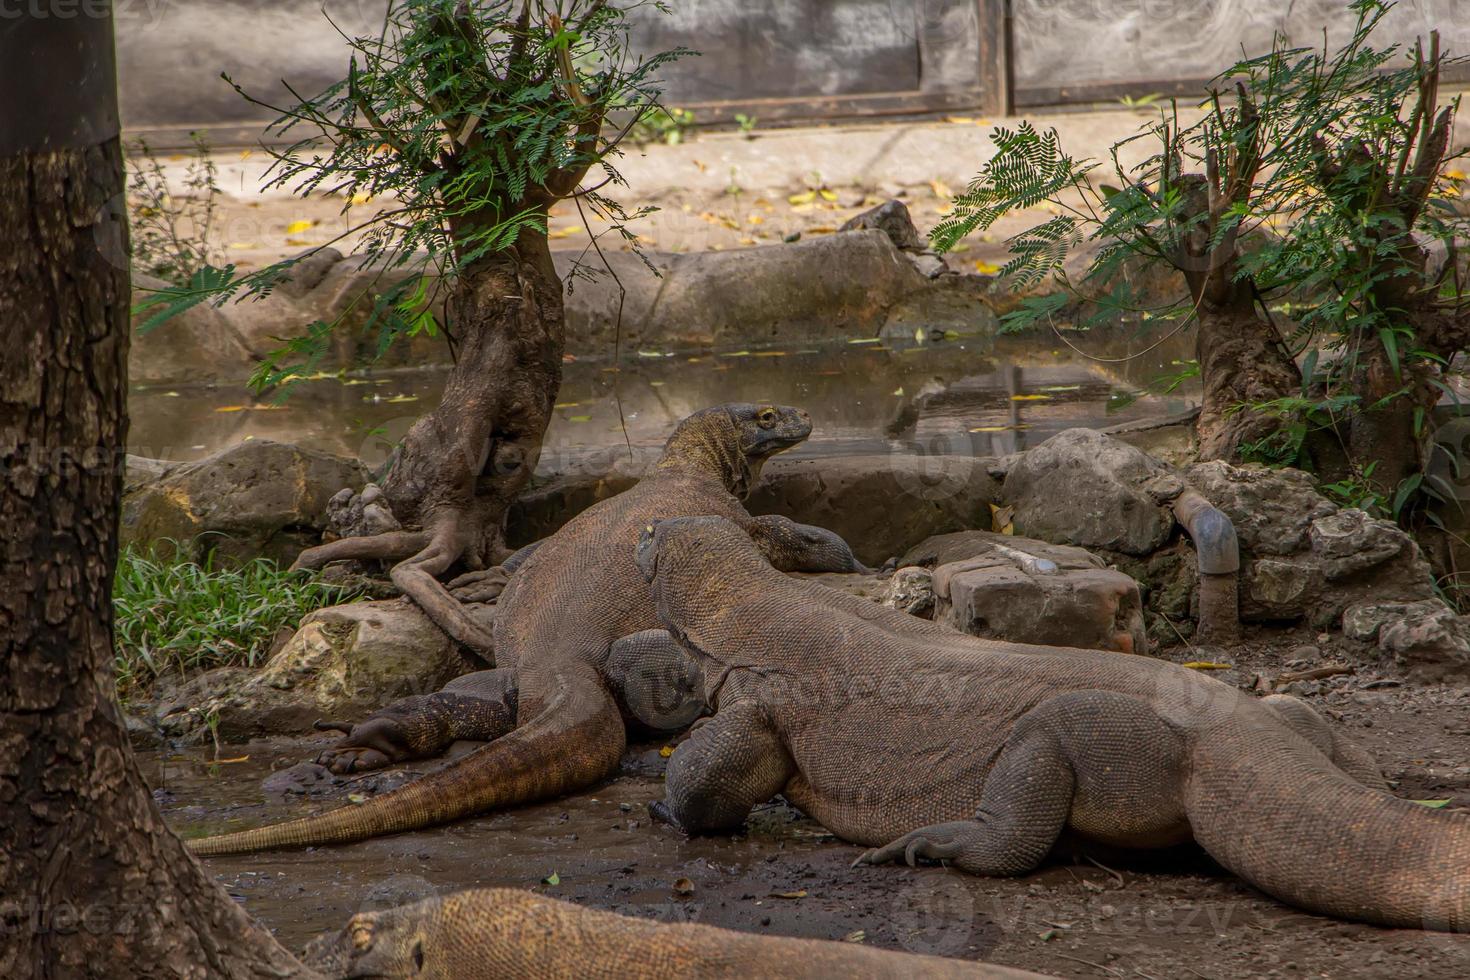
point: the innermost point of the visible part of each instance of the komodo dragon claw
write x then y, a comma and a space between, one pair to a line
940, 842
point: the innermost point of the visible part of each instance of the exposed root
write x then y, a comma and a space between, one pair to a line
392, 546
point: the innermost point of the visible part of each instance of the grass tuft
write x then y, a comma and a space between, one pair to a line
181, 616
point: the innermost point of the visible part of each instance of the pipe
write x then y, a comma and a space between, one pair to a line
1219, 565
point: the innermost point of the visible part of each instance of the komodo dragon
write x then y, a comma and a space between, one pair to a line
576, 645
979, 753
499, 932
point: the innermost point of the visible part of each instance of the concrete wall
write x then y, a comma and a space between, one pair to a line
1067, 44
774, 58
171, 52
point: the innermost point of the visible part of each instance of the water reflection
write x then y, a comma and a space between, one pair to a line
977, 398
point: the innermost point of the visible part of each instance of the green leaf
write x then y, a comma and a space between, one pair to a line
1434, 804
551, 879
207, 283
1391, 346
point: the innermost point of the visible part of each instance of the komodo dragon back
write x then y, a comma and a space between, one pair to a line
1026, 740
576, 593
495, 932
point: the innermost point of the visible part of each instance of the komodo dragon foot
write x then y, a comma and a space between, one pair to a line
478, 707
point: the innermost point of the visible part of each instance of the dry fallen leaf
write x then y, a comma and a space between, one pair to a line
299, 226
799, 893
683, 887
986, 268
1207, 665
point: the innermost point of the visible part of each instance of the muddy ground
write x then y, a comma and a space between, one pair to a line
1160, 916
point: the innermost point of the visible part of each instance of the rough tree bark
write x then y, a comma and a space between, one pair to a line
92, 884
1242, 360
460, 467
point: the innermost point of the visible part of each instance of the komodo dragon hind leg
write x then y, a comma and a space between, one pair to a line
1346, 754
731, 763
480, 707
1102, 762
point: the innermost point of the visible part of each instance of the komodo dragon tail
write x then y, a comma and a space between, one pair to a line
1276, 812
575, 740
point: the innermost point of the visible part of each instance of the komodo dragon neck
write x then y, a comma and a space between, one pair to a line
710, 443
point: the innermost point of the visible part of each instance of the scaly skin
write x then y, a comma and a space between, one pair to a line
556, 714
979, 752
495, 932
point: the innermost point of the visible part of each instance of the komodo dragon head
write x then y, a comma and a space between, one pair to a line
736, 439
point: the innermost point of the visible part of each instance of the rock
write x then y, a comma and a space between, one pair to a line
1083, 488
1272, 510
911, 590
928, 265
1302, 556
138, 470
1026, 591
343, 662
1426, 638
198, 345
255, 498
821, 288
880, 504
893, 219
949, 304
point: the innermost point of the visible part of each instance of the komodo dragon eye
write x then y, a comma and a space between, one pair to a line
767, 417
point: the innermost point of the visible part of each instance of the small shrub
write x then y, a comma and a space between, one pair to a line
184, 616
171, 234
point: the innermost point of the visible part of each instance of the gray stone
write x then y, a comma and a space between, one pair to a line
198, 345
821, 288
893, 219
343, 662
1426, 638
255, 498
1272, 510
949, 304
911, 590
928, 265
880, 504
1025, 591
1084, 488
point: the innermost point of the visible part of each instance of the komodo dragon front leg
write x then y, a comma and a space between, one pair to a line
1103, 763
658, 683
730, 764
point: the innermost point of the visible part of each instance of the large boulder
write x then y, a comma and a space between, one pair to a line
1272, 509
881, 504
255, 498
1302, 556
1084, 488
824, 287
198, 345
1008, 588
344, 662
1425, 638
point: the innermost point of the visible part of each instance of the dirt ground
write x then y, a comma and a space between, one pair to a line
1164, 915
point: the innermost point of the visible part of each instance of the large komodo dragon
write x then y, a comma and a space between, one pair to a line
979, 753
497, 932
576, 645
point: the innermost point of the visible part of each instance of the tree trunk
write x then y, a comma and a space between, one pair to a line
1241, 363
92, 883
461, 466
